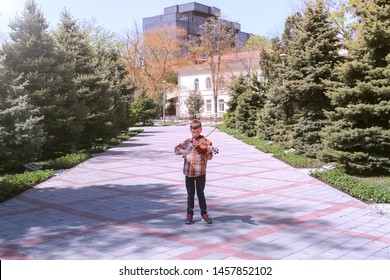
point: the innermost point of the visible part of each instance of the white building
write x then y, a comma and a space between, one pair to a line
197, 78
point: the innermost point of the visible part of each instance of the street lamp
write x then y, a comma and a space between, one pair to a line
164, 97
283, 57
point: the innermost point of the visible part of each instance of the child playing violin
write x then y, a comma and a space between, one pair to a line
196, 152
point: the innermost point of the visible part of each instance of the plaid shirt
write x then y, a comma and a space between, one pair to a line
195, 162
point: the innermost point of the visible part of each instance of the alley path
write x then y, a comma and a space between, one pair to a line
129, 203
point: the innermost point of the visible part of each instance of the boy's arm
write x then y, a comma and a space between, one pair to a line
178, 150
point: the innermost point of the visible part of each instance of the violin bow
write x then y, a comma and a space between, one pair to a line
211, 131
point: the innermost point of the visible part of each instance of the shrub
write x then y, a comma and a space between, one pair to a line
69, 161
297, 160
12, 185
355, 187
360, 188
64, 162
98, 148
277, 149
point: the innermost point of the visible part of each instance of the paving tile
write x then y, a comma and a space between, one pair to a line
129, 203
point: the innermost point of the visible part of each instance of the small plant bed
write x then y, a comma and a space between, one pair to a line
64, 162
369, 190
278, 150
14, 184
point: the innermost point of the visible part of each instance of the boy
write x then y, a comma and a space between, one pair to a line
194, 169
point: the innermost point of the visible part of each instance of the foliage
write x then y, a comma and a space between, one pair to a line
31, 56
101, 87
194, 104
71, 47
59, 91
257, 42
246, 100
111, 66
144, 108
275, 120
64, 162
21, 136
358, 188
358, 139
312, 56
12, 185
237, 88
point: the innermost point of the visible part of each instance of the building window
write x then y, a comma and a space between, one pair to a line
208, 83
208, 105
196, 85
221, 105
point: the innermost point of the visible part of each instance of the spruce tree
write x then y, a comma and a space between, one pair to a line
31, 53
313, 53
249, 104
20, 133
113, 67
275, 119
246, 101
72, 43
144, 109
101, 87
237, 88
359, 137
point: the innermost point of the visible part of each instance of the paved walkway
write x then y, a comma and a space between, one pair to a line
129, 203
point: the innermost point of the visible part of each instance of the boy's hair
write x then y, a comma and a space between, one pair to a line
195, 124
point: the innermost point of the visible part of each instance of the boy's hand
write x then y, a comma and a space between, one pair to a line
209, 149
183, 152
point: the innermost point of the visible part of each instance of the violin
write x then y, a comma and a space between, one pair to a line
202, 143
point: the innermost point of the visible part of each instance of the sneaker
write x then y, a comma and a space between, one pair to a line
207, 218
189, 219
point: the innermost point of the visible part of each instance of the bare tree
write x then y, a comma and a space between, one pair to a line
132, 41
217, 39
153, 56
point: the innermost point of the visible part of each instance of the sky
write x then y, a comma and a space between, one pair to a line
260, 17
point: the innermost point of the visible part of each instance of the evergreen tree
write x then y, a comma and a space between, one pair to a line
249, 104
359, 137
72, 43
274, 121
113, 67
313, 53
144, 109
93, 80
237, 88
102, 89
31, 53
20, 134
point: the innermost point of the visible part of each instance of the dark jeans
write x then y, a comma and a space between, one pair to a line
198, 184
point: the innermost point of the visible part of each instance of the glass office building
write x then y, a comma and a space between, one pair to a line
190, 16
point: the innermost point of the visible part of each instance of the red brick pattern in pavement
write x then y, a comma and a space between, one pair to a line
129, 203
